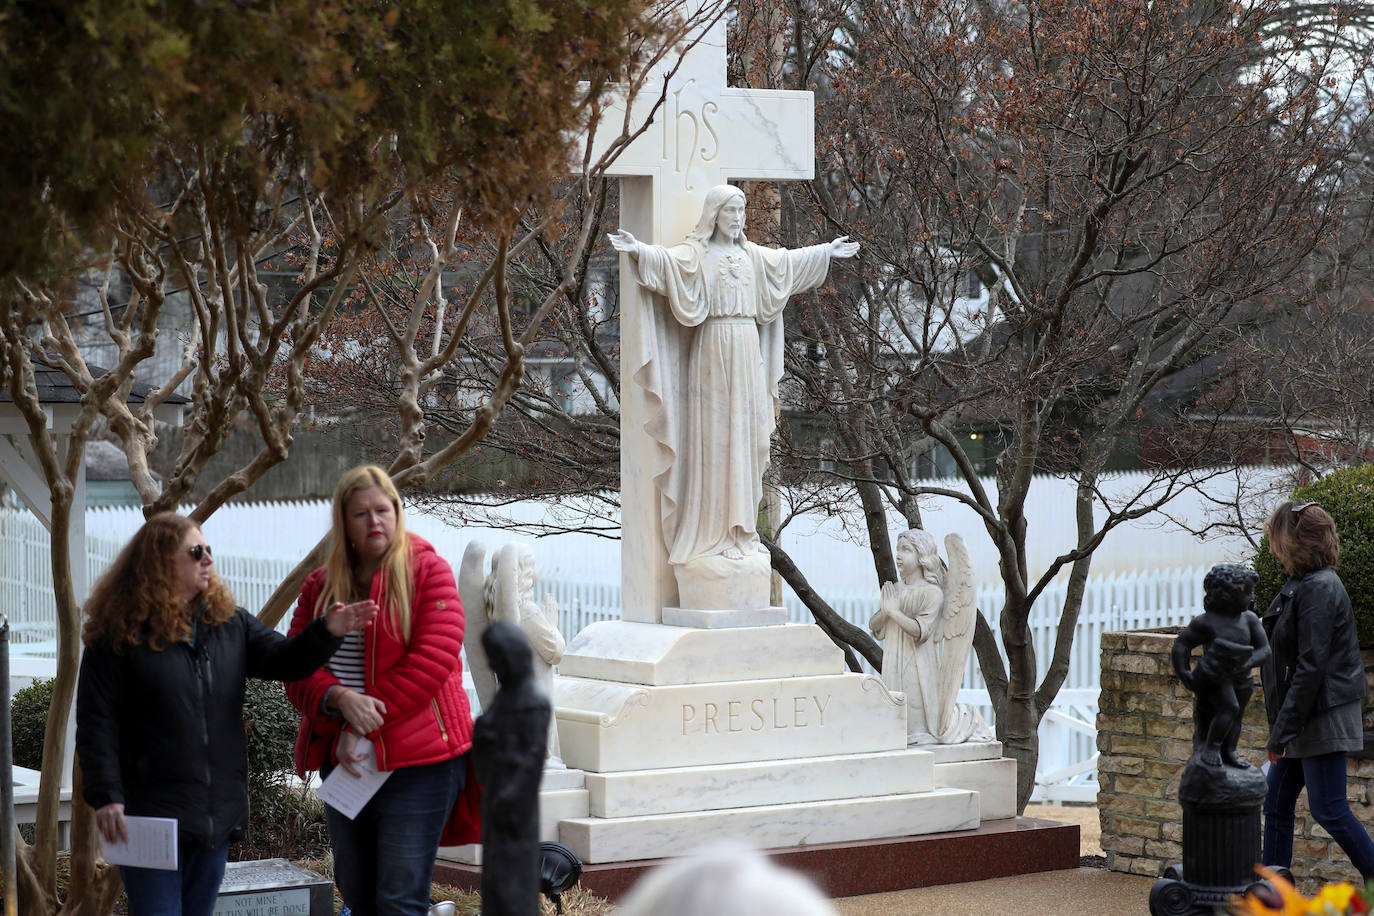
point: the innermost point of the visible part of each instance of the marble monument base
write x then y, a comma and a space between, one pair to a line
651, 655
719, 583
722, 618
273, 886
759, 733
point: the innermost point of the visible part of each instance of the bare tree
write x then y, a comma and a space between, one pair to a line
271, 233
1066, 210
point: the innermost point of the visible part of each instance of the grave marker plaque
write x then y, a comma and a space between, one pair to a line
273, 887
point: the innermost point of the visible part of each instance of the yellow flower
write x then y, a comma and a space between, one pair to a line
1335, 896
1340, 899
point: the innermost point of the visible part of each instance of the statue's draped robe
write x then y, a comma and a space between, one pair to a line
548, 644
710, 363
911, 664
914, 664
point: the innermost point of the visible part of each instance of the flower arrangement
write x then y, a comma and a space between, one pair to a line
1338, 899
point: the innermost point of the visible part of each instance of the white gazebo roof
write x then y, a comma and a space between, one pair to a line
19, 465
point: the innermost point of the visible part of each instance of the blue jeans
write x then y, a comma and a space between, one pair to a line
1324, 776
384, 858
190, 890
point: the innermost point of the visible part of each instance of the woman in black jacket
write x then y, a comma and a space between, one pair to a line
1314, 687
159, 705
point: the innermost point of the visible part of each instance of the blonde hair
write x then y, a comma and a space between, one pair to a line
136, 600
339, 583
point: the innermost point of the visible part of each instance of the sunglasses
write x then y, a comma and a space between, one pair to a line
1300, 508
200, 552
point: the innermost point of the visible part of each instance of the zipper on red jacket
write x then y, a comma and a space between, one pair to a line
438, 717
370, 663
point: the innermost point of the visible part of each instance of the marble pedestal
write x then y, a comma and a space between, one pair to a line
688, 735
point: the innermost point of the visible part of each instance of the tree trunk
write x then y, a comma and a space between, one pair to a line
843, 633
100, 895
33, 896
1019, 729
93, 885
1020, 741
44, 859
875, 521
286, 593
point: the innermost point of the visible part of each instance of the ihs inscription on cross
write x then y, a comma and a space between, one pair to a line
705, 133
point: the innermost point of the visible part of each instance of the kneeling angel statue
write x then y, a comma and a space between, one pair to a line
926, 623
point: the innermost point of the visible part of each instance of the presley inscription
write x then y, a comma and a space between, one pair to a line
756, 715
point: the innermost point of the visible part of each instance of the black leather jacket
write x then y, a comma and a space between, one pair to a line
1316, 662
162, 732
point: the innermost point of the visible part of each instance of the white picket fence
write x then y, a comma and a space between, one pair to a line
830, 549
1067, 770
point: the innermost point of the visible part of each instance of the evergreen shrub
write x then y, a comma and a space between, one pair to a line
285, 820
28, 719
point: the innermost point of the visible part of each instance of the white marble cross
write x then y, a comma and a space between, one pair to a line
706, 133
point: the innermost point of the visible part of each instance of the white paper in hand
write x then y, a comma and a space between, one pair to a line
152, 844
346, 793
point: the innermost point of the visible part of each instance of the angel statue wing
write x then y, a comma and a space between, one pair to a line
472, 592
957, 614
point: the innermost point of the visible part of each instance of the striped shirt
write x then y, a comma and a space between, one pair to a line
347, 663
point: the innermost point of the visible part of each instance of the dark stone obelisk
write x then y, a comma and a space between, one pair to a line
509, 744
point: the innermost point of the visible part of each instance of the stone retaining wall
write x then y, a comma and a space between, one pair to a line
1144, 737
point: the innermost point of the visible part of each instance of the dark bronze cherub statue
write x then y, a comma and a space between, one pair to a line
1234, 644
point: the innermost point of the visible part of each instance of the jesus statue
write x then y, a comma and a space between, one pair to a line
710, 363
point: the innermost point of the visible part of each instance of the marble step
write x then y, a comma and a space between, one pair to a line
597, 840
768, 782
650, 654
608, 727
993, 779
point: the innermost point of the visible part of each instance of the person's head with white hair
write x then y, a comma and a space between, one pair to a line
724, 879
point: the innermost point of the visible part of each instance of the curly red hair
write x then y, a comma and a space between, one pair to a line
136, 600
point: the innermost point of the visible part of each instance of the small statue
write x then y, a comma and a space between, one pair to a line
926, 622
1220, 794
1221, 683
508, 751
508, 594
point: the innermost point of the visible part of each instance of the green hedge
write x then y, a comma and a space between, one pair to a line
270, 722
283, 820
1348, 495
28, 720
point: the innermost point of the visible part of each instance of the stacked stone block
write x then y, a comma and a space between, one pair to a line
1144, 738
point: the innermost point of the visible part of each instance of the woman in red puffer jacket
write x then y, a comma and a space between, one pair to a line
397, 688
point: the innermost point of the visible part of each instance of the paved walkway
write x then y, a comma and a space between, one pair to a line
1094, 891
